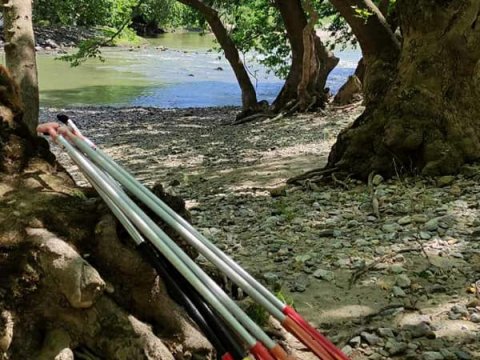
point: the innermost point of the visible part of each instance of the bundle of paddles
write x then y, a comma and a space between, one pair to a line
230, 330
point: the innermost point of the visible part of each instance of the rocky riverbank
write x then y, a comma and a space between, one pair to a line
388, 270
58, 38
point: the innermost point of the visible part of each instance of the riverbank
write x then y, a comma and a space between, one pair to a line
392, 284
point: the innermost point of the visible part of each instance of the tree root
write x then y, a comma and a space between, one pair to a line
78, 289
310, 175
251, 118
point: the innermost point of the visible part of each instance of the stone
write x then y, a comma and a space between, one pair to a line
355, 342
51, 43
475, 317
398, 292
443, 181
431, 225
459, 309
405, 220
390, 228
397, 269
425, 235
448, 355
433, 355
403, 281
370, 338
347, 350
324, 275
462, 355
419, 218
386, 332
271, 278
419, 330
394, 347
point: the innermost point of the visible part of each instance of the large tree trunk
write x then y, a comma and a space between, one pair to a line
311, 61
379, 46
20, 56
249, 96
428, 120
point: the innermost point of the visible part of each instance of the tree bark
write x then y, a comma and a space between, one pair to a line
311, 61
20, 56
380, 48
249, 96
427, 122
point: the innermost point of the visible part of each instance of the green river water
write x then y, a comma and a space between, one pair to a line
173, 70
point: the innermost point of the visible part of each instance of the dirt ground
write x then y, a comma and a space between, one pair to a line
386, 270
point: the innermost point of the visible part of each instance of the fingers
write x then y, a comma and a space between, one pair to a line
48, 129
53, 129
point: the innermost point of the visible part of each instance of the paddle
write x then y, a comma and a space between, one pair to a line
209, 290
287, 316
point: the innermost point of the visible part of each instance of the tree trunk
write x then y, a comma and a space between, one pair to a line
249, 96
311, 61
20, 56
379, 46
427, 122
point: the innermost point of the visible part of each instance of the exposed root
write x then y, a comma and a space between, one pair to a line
73, 289
311, 175
251, 118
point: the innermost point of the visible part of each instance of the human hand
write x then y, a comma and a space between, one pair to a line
50, 129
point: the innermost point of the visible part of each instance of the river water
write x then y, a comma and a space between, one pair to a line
186, 74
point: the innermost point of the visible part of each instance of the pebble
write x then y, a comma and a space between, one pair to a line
394, 347
370, 338
324, 275
405, 220
425, 235
431, 225
448, 355
355, 342
420, 330
475, 318
403, 281
462, 355
386, 332
433, 355
419, 218
347, 350
459, 309
397, 269
398, 292
390, 228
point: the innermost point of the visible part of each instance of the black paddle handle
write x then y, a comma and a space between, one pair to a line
176, 292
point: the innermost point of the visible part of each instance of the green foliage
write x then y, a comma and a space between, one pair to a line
87, 49
82, 12
257, 313
284, 209
126, 37
284, 298
112, 13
